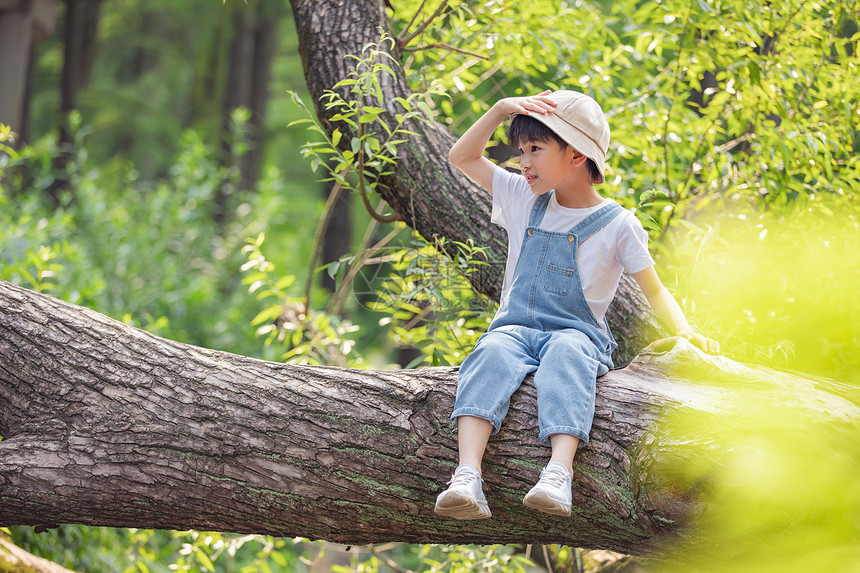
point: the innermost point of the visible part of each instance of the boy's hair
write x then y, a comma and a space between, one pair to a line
526, 128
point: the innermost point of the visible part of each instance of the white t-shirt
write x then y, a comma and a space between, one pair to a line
621, 244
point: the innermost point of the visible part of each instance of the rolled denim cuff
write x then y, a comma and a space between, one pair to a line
576, 432
477, 413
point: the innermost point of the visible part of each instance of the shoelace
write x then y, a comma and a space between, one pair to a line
553, 477
462, 479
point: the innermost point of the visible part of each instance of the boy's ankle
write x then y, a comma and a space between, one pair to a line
568, 469
473, 467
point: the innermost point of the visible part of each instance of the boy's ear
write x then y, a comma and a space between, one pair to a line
576, 158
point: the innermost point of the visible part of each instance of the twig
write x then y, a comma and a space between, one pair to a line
423, 26
390, 218
321, 227
412, 21
546, 558
388, 561
338, 298
445, 46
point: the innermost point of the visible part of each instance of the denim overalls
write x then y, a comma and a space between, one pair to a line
543, 325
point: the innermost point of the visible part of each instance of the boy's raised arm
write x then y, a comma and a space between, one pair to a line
467, 154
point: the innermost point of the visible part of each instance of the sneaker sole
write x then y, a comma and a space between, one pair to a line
462, 507
542, 502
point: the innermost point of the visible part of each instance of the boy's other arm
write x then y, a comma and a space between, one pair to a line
669, 311
467, 154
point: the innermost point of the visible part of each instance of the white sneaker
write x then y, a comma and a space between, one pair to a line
552, 493
464, 498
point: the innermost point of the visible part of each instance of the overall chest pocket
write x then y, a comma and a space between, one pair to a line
558, 279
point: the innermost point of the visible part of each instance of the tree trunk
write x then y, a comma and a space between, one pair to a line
107, 425
431, 195
252, 52
80, 27
337, 238
22, 24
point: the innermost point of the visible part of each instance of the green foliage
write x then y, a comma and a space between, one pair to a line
305, 335
467, 558
427, 301
399, 557
426, 298
372, 138
148, 253
779, 286
779, 484
148, 551
710, 103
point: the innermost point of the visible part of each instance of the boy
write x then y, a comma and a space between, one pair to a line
567, 247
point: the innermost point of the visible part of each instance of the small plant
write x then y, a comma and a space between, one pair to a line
422, 288
429, 304
308, 336
373, 137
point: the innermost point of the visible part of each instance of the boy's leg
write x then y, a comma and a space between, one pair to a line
488, 377
491, 374
566, 383
552, 493
563, 450
472, 437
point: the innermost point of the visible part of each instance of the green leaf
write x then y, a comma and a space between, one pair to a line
204, 560
267, 315
755, 72
343, 83
285, 282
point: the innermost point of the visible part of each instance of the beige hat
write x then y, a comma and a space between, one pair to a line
579, 121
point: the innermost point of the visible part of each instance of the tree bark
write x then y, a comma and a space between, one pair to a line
107, 425
432, 196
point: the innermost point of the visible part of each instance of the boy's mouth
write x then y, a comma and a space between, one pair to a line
530, 178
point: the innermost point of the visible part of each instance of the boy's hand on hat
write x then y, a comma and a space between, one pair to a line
540, 103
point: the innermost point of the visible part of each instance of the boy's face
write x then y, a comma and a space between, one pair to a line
546, 165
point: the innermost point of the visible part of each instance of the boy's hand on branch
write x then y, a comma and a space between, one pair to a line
540, 103
701, 342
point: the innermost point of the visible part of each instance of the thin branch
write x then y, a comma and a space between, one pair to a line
380, 554
423, 26
546, 558
339, 297
445, 46
362, 186
412, 21
322, 224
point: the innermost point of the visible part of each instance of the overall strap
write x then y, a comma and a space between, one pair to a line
596, 221
539, 209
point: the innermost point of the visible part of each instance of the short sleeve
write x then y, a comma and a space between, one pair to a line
511, 195
632, 247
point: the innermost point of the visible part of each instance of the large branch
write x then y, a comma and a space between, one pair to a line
430, 195
107, 425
